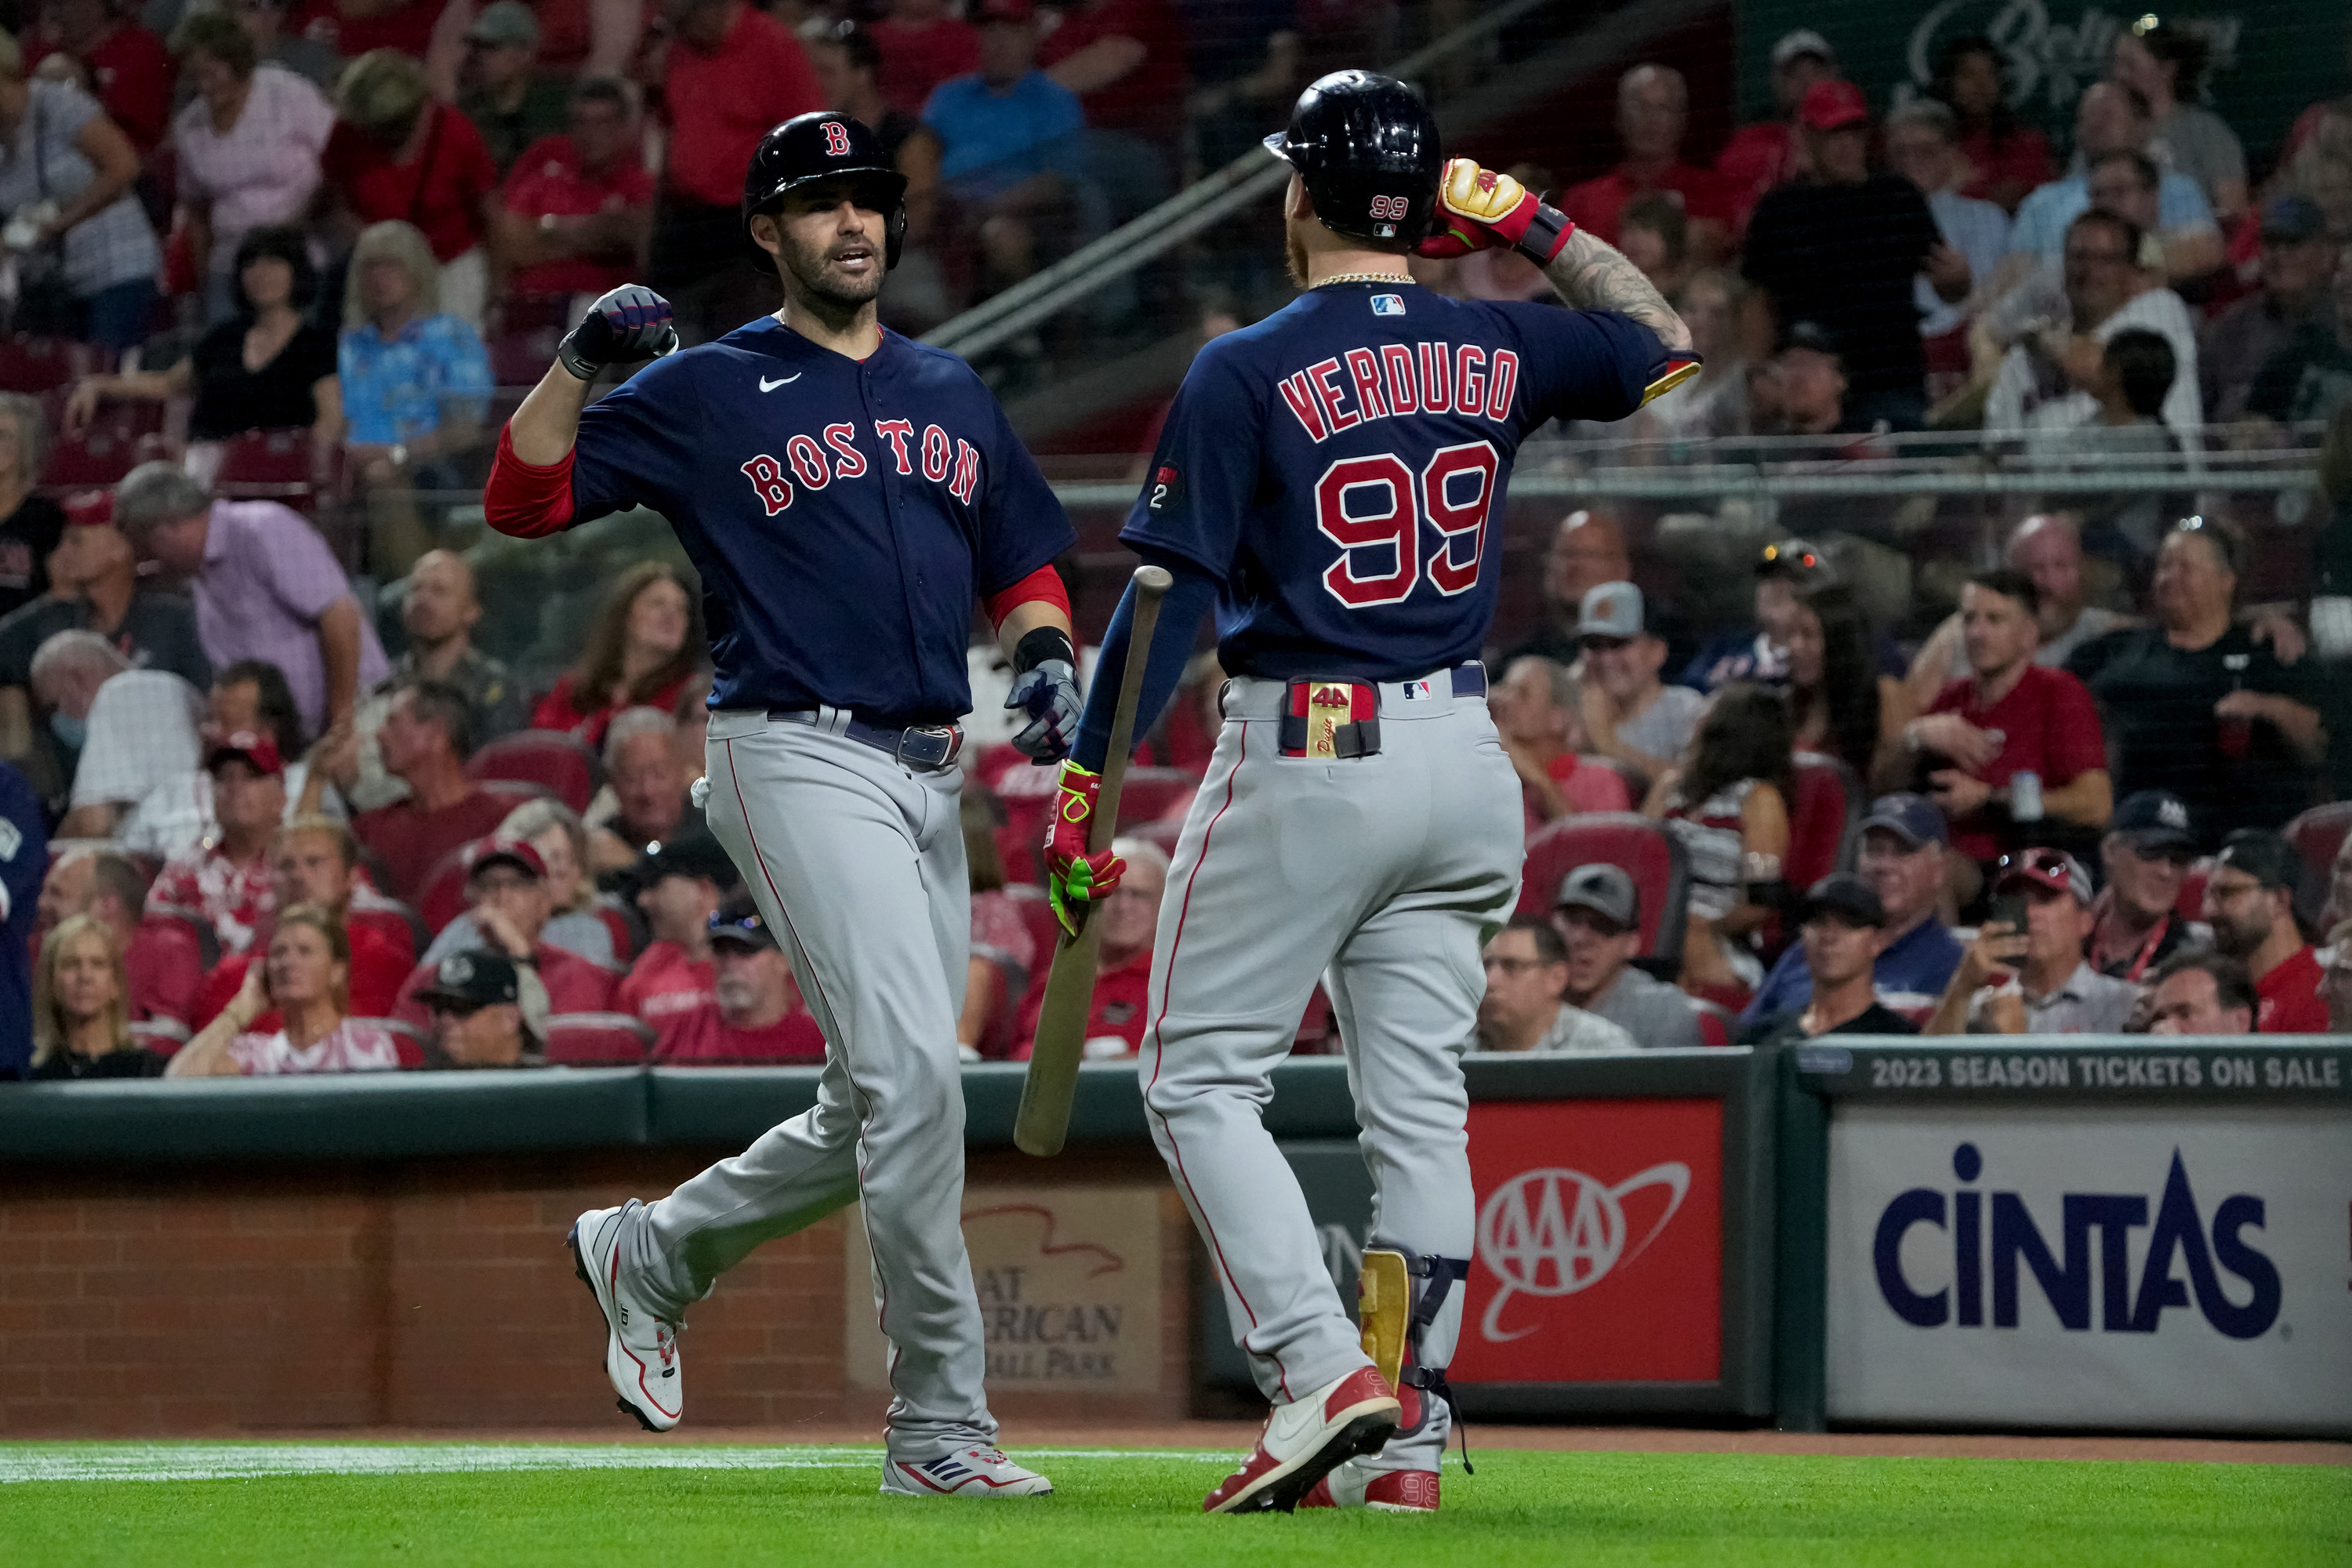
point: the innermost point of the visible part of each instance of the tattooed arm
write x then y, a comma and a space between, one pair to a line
1593, 275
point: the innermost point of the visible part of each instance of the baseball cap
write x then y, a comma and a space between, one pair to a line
259, 751
484, 853
89, 509
989, 11
474, 978
1811, 337
2052, 869
1833, 106
1913, 818
1803, 41
1604, 889
1846, 896
2290, 220
2263, 855
693, 854
2153, 819
738, 921
1611, 610
504, 22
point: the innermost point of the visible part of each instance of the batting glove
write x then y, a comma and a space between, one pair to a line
1479, 209
1049, 695
630, 324
1075, 880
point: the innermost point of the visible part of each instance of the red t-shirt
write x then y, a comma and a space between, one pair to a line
440, 193
548, 179
1120, 998
378, 968
702, 1038
408, 28
1596, 205
559, 709
1588, 786
130, 72
410, 842
917, 59
2291, 1000
662, 987
574, 986
2021, 160
720, 104
1148, 100
2049, 726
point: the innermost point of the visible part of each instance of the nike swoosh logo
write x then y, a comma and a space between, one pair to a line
767, 385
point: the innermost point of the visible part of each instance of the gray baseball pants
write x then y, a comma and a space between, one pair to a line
857, 864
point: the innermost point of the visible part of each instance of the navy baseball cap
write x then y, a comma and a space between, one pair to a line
1913, 818
1844, 896
738, 921
695, 853
2292, 220
2153, 819
2263, 855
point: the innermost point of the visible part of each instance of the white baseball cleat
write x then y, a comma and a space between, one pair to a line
1351, 1485
1305, 1438
640, 1345
980, 1470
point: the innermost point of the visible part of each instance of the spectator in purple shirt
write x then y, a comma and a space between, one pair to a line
266, 587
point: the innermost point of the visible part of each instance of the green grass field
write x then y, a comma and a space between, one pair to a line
668, 1506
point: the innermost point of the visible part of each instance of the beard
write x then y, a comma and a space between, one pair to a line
1294, 255
814, 276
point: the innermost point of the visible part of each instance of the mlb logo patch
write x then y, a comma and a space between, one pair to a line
1418, 691
1388, 304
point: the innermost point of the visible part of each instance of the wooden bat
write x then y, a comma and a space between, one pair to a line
1052, 1080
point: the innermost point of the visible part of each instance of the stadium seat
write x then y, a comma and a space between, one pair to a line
1829, 804
515, 792
1717, 1025
1649, 854
1021, 839
442, 896
597, 1039
2190, 904
1150, 794
266, 462
164, 1037
1043, 929
628, 931
39, 364
393, 921
556, 763
407, 1038
2317, 835
105, 452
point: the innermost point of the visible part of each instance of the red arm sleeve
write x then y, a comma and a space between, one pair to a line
524, 500
1043, 585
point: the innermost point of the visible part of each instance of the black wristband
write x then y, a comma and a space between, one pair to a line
1040, 645
1547, 232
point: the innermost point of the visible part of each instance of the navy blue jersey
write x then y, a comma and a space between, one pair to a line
843, 513
24, 862
1336, 467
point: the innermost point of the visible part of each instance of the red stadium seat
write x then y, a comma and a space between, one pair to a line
398, 924
1021, 839
39, 364
442, 898
556, 763
1150, 794
2192, 902
164, 1037
266, 460
1830, 805
1043, 929
104, 453
1637, 783
1647, 852
169, 954
2317, 835
1717, 1025
628, 934
407, 1038
597, 1039
515, 792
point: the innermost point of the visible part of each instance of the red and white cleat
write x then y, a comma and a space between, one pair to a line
640, 1346
1383, 1491
1304, 1438
981, 1471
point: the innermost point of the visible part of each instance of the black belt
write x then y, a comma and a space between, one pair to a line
925, 748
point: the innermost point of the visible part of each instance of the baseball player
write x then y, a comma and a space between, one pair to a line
843, 493
1329, 479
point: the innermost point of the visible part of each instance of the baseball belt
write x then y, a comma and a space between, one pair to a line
925, 748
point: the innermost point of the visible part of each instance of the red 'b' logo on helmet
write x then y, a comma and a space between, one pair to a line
836, 139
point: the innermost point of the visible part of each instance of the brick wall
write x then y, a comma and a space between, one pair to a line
430, 1293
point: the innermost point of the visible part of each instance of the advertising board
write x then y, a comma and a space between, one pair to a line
2149, 1266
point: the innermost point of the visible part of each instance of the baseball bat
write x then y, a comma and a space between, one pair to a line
1053, 1056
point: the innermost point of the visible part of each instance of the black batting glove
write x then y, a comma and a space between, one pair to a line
630, 324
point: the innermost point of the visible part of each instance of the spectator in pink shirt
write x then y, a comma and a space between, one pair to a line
306, 979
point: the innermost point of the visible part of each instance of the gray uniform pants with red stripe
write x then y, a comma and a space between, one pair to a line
1382, 876
857, 863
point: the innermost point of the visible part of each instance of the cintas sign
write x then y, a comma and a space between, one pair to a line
2150, 1266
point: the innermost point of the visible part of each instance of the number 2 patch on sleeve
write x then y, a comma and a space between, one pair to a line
1167, 486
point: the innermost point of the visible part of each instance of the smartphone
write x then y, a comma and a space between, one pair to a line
2009, 909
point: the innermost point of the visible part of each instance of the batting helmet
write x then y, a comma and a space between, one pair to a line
1366, 147
821, 146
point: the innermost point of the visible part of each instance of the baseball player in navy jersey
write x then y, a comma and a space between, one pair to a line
844, 494
1330, 480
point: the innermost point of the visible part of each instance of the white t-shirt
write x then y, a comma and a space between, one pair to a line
351, 1046
2031, 397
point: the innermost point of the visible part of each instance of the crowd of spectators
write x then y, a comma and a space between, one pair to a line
277, 849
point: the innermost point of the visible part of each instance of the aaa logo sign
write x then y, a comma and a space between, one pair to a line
1599, 1245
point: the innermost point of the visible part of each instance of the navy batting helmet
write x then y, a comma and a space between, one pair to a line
823, 146
1366, 147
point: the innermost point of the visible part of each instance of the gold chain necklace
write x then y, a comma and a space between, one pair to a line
1364, 277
